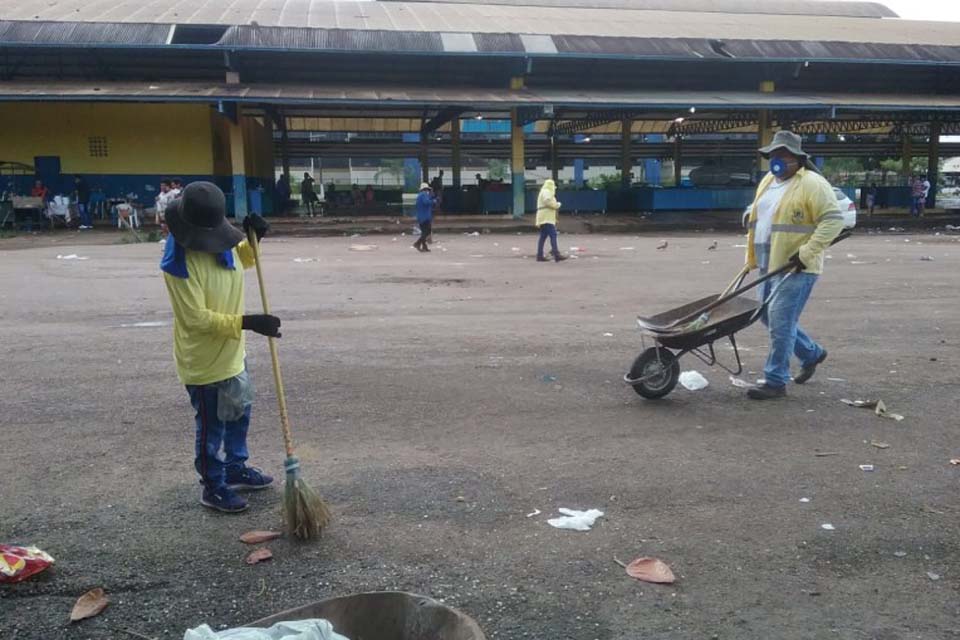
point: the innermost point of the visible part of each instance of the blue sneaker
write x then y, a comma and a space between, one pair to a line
223, 499
248, 479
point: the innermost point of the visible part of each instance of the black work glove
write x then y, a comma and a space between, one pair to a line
258, 224
796, 261
265, 325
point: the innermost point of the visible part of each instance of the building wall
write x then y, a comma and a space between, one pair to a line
140, 138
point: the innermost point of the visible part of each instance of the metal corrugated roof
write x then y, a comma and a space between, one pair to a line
491, 18
804, 7
473, 97
89, 33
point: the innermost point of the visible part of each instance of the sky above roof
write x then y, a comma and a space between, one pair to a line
948, 10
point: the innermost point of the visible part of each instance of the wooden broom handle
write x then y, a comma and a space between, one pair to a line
274, 356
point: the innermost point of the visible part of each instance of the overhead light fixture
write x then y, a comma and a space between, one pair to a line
479, 116
842, 138
693, 109
586, 139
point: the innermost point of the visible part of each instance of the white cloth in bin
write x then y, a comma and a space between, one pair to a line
312, 629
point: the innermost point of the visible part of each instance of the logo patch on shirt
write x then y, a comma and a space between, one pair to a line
797, 216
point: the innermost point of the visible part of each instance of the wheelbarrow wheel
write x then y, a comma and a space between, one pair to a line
657, 370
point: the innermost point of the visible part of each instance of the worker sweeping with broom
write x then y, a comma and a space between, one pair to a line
206, 291
202, 266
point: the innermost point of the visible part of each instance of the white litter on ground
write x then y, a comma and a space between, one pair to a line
804, 500
151, 323
693, 381
575, 520
741, 384
535, 512
827, 527
608, 335
73, 256
301, 260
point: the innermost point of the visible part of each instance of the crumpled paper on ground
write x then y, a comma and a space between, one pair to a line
877, 405
575, 520
312, 629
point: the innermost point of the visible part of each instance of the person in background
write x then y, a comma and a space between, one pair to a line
424, 207
307, 194
481, 183
82, 195
163, 199
916, 196
547, 207
793, 219
926, 193
200, 268
283, 193
369, 196
357, 196
176, 187
871, 198
40, 190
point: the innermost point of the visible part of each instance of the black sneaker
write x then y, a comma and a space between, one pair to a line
807, 372
223, 500
542, 259
764, 392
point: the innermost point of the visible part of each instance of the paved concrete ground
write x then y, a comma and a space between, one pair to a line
439, 399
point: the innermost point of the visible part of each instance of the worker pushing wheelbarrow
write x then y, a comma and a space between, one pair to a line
793, 219
695, 327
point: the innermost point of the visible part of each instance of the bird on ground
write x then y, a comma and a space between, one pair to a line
713, 247
662, 245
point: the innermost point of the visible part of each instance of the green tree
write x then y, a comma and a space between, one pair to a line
390, 168
496, 169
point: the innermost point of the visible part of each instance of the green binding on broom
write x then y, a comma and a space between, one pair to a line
304, 511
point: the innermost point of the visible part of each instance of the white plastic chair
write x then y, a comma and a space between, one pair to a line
126, 211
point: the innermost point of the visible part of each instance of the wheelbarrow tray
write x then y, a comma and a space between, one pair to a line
727, 319
385, 615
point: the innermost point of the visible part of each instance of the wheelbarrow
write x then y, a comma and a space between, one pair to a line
385, 615
695, 327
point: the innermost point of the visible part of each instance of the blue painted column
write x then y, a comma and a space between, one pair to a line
238, 169
651, 168
411, 165
517, 162
578, 163
821, 137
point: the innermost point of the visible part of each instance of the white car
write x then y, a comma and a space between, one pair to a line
847, 208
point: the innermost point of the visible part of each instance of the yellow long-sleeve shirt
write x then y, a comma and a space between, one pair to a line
208, 344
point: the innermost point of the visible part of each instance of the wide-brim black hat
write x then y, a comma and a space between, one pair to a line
198, 219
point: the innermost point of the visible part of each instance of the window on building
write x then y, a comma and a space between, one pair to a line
98, 146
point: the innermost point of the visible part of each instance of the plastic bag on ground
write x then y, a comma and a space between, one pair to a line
576, 520
313, 629
693, 380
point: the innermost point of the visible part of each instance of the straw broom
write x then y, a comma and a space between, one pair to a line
304, 511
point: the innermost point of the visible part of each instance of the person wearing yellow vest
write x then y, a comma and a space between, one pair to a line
205, 286
547, 207
794, 218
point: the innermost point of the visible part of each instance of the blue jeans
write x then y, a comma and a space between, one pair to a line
548, 231
781, 317
86, 219
214, 434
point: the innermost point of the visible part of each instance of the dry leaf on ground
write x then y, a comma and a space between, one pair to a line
89, 604
650, 570
259, 555
258, 537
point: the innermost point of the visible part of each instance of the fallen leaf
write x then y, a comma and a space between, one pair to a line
258, 537
650, 570
259, 555
89, 604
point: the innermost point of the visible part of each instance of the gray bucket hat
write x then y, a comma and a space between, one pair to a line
784, 139
198, 219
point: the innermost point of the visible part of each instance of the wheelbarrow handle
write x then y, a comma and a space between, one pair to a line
734, 289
